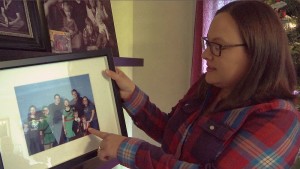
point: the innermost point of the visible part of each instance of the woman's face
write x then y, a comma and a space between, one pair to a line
225, 71
85, 101
74, 94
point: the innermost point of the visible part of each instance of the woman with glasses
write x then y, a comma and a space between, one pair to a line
240, 114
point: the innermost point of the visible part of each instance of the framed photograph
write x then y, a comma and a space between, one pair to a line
22, 25
49, 102
89, 23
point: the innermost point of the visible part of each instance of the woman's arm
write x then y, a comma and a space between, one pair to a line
146, 115
92, 115
265, 140
135, 153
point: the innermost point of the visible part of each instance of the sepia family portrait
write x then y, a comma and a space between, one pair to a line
88, 24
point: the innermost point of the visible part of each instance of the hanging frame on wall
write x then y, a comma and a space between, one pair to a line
81, 26
22, 26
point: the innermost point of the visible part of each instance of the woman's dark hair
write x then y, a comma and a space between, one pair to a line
88, 100
272, 73
29, 114
74, 90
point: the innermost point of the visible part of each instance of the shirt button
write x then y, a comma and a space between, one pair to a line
211, 127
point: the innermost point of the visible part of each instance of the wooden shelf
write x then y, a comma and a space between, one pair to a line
124, 61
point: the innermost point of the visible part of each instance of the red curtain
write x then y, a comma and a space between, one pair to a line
197, 60
205, 10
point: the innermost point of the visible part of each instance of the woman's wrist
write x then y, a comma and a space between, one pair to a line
127, 151
129, 94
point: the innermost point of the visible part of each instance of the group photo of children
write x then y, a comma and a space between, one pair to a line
57, 112
89, 22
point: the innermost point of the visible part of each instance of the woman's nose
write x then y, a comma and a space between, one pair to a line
207, 54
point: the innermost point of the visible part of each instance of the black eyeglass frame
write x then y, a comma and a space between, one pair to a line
221, 47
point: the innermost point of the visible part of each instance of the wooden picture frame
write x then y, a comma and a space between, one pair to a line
22, 26
36, 81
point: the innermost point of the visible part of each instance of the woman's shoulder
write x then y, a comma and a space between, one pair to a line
276, 111
276, 105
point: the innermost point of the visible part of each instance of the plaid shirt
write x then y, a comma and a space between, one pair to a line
265, 135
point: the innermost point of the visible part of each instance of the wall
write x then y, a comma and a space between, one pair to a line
163, 35
123, 21
160, 32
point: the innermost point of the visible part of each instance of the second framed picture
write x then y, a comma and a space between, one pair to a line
51, 101
80, 25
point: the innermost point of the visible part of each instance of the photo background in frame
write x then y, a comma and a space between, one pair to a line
39, 95
105, 94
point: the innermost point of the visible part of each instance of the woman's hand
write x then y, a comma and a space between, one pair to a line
125, 84
109, 145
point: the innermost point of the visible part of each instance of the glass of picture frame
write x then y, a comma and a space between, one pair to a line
33, 84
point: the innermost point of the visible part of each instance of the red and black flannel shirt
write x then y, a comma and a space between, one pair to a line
265, 135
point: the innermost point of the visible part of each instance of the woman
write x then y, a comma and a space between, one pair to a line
91, 8
90, 113
54, 14
101, 14
76, 102
69, 25
90, 35
239, 114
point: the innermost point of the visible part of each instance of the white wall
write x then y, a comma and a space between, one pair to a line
123, 21
163, 35
161, 32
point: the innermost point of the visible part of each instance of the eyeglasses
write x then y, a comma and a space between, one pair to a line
216, 48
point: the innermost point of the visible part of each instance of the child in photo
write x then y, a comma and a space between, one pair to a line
68, 118
77, 126
85, 125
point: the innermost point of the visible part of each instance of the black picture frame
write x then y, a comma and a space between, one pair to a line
31, 33
106, 98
